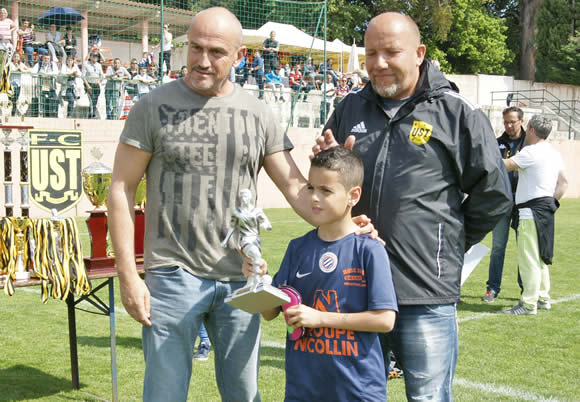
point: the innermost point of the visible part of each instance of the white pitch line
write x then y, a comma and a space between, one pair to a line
502, 390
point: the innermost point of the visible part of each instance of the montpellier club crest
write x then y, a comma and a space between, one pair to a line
55, 168
327, 262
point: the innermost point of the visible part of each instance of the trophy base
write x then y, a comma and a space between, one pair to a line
100, 264
22, 276
258, 298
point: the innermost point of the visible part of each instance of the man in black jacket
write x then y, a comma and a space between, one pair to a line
434, 186
541, 184
510, 142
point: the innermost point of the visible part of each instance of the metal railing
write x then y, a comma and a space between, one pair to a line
567, 111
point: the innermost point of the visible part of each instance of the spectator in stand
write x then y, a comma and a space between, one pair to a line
28, 37
17, 67
47, 71
53, 39
165, 53
133, 70
7, 27
310, 74
115, 75
342, 90
92, 76
71, 70
326, 102
69, 43
298, 84
154, 74
271, 48
330, 71
146, 60
257, 71
285, 72
274, 80
242, 72
144, 80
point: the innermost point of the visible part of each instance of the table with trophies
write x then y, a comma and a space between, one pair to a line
47, 252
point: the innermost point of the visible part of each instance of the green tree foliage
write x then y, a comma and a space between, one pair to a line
347, 20
476, 42
557, 58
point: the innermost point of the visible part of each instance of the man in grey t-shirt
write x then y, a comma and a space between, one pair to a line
200, 139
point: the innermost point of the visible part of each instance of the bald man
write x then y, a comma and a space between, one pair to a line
200, 140
434, 186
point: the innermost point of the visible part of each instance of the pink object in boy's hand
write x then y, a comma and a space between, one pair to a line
295, 299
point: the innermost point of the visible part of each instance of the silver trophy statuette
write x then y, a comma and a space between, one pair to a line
258, 294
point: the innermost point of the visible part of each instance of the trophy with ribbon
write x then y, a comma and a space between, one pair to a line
258, 294
96, 183
140, 199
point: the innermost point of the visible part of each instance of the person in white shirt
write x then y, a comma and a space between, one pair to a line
165, 54
47, 70
17, 67
7, 27
542, 182
144, 81
92, 76
71, 71
325, 104
116, 75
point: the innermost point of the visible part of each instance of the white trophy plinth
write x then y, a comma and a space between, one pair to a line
257, 298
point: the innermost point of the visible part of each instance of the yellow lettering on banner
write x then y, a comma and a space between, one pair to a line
421, 132
73, 156
39, 176
58, 178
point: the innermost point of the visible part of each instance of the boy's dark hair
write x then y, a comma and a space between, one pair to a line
344, 161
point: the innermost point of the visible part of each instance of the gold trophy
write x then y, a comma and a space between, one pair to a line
96, 183
140, 199
22, 260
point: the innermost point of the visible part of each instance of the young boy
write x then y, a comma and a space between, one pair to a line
347, 293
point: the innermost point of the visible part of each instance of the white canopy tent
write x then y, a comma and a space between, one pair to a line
292, 41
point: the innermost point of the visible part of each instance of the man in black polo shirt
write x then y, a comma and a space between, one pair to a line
510, 142
270, 52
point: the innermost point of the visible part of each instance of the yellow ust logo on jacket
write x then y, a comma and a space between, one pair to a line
420, 132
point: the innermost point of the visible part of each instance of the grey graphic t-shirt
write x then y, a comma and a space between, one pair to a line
204, 151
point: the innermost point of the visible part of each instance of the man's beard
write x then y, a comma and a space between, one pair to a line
387, 92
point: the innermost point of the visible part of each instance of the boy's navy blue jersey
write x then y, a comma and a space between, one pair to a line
349, 275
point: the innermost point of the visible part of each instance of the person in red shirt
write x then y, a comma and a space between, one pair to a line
297, 84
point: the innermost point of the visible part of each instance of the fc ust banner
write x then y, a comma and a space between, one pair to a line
55, 168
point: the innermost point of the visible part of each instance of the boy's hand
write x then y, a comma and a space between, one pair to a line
303, 316
365, 226
248, 267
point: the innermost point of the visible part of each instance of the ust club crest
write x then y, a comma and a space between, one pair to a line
420, 132
327, 262
55, 165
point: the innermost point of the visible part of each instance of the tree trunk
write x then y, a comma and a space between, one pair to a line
528, 14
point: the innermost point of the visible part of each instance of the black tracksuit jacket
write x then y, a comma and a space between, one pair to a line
434, 185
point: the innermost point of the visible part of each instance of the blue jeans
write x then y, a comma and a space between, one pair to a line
426, 345
70, 98
112, 102
203, 337
500, 237
180, 302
